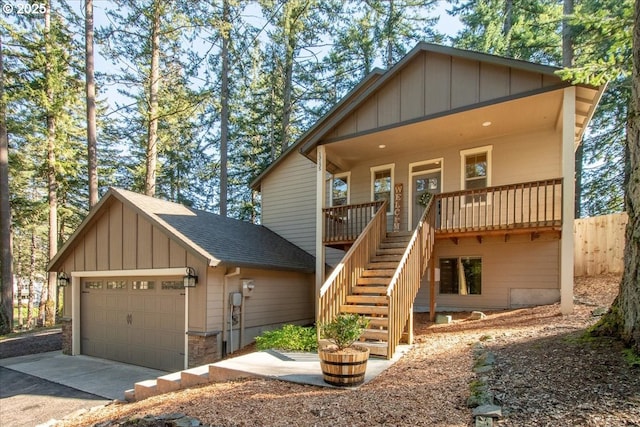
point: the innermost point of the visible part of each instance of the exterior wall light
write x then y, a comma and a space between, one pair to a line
190, 279
63, 279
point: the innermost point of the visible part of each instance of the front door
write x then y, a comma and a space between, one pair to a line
423, 183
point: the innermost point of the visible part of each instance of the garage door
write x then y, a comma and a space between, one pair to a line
138, 321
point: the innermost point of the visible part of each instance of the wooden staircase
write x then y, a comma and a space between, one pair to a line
369, 296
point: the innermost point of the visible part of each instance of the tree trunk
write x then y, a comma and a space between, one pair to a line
154, 89
50, 318
623, 320
224, 111
32, 278
6, 276
90, 86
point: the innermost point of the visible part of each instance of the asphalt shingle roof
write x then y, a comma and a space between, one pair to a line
227, 240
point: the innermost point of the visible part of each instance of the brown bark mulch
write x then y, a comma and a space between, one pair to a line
546, 374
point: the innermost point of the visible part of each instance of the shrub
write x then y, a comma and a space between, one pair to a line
289, 337
344, 330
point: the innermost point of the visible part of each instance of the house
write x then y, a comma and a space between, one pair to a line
444, 183
126, 265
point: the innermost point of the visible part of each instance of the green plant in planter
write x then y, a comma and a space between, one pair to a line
344, 330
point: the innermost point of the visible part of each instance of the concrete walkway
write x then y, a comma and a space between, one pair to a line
301, 368
100, 377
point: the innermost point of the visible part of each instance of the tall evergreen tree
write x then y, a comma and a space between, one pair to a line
6, 259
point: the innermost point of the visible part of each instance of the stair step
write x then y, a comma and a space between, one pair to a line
364, 309
144, 389
378, 272
391, 251
378, 290
377, 322
392, 245
367, 299
195, 376
170, 382
392, 265
387, 258
375, 334
395, 234
375, 348
382, 281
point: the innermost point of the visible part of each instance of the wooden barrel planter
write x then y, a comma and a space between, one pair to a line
344, 368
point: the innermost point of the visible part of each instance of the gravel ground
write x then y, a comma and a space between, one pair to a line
546, 374
31, 342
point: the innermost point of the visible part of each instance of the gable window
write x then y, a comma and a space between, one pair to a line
382, 184
476, 171
340, 189
461, 276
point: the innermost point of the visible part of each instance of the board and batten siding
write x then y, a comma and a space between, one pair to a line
289, 201
120, 239
514, 273
434, 83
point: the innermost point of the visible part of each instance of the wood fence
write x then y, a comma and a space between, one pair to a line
599, 244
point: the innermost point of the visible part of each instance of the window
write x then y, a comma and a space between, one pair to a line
476, 171
172, 284
93, 284
461, 276
116, 284
382, 184
142, 284
340, 190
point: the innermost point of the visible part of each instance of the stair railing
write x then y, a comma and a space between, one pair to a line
338, 286
405, 282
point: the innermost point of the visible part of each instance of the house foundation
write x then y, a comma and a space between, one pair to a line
203, 348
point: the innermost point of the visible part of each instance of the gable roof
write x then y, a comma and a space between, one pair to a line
216, 239
355, 99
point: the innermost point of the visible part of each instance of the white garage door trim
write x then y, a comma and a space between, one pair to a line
77, 276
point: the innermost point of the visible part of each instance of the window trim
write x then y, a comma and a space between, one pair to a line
340, 175
412, 174
391, 168
488, 149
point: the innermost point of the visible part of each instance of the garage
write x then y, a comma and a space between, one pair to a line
148, 282
138, 321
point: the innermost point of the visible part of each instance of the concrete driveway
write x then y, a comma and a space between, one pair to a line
39, 387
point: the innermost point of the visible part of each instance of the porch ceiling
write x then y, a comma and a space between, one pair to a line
518, 116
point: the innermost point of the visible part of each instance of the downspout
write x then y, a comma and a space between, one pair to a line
226, 312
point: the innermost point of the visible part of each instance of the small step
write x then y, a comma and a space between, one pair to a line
376, 290
367, 299
145, 389
170, 382
378, 272
195, 376
365, 309
130, 395
382, 281
375, 334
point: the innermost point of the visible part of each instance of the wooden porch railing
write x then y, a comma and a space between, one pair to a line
343, 224
335, 289
405, 282
535, 204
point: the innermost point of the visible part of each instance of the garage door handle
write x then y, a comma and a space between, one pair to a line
129, 319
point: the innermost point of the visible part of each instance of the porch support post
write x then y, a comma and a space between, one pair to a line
568, 198
321, 173
432, 285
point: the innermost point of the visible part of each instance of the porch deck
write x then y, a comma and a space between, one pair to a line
533, 208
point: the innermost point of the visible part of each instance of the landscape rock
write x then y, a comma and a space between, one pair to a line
477, 315
488, 411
